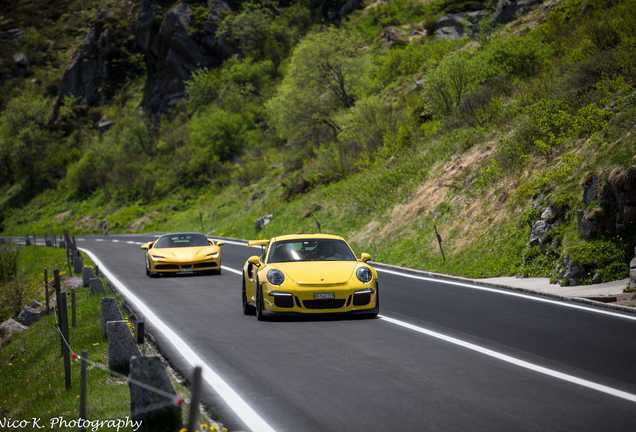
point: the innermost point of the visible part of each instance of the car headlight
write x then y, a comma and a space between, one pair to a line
156, 258
213, 255
364, 274
275, 277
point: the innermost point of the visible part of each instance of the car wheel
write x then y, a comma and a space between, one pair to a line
248, 309
259, 304
376, 310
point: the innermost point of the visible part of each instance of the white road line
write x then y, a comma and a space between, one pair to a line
510, 293
100, 240
242, 409
115, 241
130, 242
231, 270
524, 364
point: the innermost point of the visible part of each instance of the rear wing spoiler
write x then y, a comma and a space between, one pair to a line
257, 242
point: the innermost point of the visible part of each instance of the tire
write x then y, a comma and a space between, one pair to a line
259, 304
376, 311
248, 309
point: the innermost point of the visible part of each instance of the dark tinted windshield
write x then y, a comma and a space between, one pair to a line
310, 250
181, 240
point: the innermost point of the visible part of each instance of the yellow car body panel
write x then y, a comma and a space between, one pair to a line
187, 255
310, 285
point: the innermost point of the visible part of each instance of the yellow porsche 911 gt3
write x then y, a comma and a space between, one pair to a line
182, 253
310, 273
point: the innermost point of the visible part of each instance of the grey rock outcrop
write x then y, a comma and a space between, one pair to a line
509, 10
597, 279
455, 26
22, 60
539, 231
632, 272
151, 371
121, 346
619, 194
262, 221
78, 264
11, 325
590, 189
586, 227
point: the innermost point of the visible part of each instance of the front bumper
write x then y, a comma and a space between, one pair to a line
185, 267
347, 299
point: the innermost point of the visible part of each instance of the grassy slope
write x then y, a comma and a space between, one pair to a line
32, 381
388, 210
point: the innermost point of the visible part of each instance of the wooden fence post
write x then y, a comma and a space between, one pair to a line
193, 421
82, 408
46, 289
74, 320
56, 281
66, 342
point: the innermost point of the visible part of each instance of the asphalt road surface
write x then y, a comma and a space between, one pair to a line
440, 357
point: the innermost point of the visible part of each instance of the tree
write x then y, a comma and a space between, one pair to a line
25, 141
328, 73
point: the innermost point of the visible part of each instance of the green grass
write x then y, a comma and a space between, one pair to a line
32, 382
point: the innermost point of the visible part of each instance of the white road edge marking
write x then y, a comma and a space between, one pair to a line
251, 419
524, 364
510, 293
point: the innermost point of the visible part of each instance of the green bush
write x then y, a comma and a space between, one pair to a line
518, 56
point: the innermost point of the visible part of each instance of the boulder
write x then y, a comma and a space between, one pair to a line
539, 231
548, 213
11, 325
597, 279
36, 304
509, 10
586, 227
151, 371
121, 346
28, 316
215, 7
632, 272
22, 60
103, 126
78, 264
262, 221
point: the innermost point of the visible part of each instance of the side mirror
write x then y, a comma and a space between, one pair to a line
221, 243
144, 246
254, 260
365, 257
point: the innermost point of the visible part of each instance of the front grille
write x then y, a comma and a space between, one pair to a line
284, 301
167, 267
361, 299
204, 265
324, 304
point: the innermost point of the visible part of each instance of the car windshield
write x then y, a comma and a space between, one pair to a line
181, 240
310, 250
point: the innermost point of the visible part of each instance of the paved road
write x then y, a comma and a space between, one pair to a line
441, 356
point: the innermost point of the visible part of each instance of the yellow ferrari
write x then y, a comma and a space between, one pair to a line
309, 273
183, 253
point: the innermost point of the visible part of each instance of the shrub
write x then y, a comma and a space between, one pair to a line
518, 56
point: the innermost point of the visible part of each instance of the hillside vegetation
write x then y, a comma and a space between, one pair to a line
366, 126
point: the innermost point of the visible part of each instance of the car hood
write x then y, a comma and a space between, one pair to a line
319, 272
185, 253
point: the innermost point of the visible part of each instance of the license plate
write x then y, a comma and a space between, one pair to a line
322, 296
186, 270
